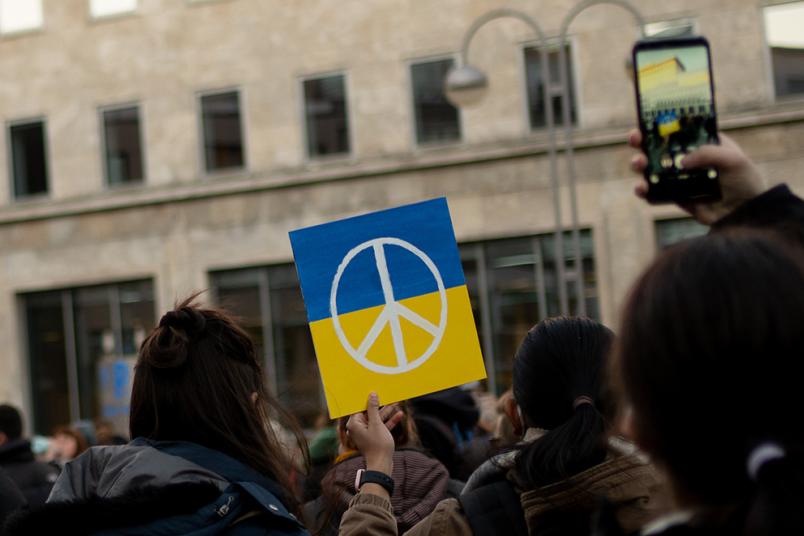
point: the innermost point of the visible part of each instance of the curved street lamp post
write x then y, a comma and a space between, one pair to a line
465, 84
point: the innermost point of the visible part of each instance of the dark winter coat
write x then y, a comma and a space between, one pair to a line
11, 498
159, 488
35, 479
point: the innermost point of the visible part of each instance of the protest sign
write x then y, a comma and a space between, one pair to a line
388, 306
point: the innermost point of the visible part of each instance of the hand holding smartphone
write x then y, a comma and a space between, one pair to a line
676, 111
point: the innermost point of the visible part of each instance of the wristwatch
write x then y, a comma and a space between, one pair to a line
374, 477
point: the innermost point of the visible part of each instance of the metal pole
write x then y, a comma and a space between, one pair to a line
568, 135
550, 127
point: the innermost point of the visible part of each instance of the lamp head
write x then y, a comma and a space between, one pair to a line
465, 86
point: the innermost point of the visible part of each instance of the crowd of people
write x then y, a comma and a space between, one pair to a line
682, 421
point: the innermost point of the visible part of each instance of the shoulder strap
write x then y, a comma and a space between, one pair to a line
494, 509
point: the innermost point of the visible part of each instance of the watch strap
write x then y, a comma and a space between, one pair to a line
365, 476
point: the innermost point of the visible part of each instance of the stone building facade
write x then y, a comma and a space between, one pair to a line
254, 118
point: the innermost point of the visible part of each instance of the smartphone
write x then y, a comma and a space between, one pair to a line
676, 107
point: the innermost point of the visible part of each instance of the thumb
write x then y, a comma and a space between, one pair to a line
373, 410
710, 156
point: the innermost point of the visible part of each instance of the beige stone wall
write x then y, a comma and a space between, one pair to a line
181, 223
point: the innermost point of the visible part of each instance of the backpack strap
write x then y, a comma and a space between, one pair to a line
494, 509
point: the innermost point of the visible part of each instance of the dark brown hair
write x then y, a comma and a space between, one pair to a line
708, 358
195, 380
560, 360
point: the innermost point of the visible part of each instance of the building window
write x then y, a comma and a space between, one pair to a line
325, 115
82, 346
437, 120
783, 24
669, 232
512, 286
269, 303
536, 86
28, 158
109, 8
20, 15
122, 147
670, 28
223, 136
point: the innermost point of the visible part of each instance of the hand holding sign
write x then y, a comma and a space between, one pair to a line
388, 305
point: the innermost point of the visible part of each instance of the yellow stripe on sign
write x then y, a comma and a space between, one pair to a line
455, 361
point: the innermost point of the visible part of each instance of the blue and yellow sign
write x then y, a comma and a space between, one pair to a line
388, 306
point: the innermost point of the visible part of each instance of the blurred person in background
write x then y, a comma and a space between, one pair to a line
66, 444
421, 481
105, 434
34, 478
503, 434
323, 451
447, 423
709, 363
565, 465
204, 458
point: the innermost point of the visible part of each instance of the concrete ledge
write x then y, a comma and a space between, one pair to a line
421, 160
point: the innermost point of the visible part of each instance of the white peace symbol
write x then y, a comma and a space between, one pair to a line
391, 311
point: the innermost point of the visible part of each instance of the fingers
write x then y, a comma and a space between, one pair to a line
386, 412
635, 139
727, 155
641, 189
373, 409
639, 162
395, 419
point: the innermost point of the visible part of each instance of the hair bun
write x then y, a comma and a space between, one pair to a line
186, 319
170, 346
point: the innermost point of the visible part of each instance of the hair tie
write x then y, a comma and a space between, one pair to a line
582, 400
762, 454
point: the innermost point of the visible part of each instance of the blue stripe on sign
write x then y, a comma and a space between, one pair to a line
319, 250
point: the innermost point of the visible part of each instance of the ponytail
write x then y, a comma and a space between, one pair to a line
558, 384
572, 447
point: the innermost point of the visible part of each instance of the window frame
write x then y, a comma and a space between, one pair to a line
113, 16
414, 141
350, 116
103, 147
14, 198
26, 31
477, 250
770, 75
260, 274
241, 104
552, 43
68, 298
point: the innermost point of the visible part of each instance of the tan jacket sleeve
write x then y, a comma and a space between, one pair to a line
371, 514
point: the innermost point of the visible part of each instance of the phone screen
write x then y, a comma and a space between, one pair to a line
677, 115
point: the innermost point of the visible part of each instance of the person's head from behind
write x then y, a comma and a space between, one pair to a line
10, 423
558, 387
198, 378
709, 360
67, 444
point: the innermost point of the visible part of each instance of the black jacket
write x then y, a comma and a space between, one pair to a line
35, 479
159, 488
778, 209
11, 498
